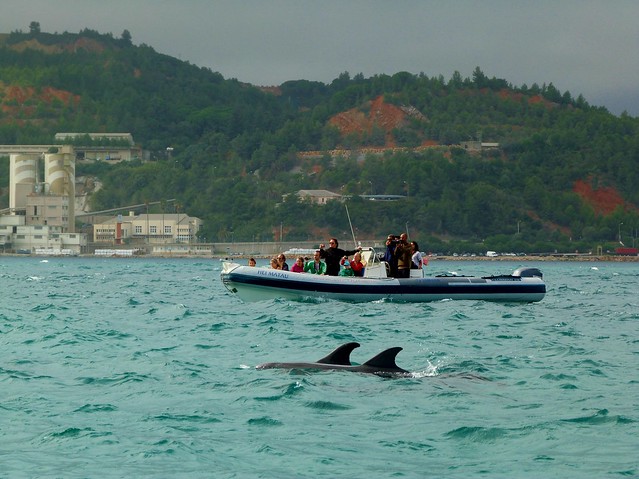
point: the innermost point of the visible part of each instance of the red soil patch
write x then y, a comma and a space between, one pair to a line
533, 100
381, 115
19, 95
505, 94
49, 94
603, 200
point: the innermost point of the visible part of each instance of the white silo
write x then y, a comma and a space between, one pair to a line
59, 174
23, 174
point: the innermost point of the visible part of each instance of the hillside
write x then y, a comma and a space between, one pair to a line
93, 82
563, 174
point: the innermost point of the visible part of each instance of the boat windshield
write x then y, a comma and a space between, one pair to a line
369, 256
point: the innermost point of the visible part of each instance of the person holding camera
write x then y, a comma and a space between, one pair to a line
404, 255
389, 255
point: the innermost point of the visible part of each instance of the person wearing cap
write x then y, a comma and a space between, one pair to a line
346, 268
316, 265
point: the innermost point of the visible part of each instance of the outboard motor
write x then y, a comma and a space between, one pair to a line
525, 272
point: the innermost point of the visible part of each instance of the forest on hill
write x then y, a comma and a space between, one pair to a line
240, 153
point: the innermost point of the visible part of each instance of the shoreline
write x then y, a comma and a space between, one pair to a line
557, 257
563, 257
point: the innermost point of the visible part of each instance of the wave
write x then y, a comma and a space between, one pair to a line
264, 421
91, 408
116, 379
327, 406
478, 434
600, 417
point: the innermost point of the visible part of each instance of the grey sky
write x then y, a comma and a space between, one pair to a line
587, 47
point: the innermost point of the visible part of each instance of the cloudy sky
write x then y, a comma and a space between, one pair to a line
586, 47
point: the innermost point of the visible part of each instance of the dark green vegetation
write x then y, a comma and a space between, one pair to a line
235, 148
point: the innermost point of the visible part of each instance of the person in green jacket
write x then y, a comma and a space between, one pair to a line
316, 265
346, 268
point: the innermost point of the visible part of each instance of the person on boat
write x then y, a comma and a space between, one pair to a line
281, 259
252, 262
404, 256
389, 255
298, 266
346, 268
316, 265
333, 255
275, 264
418, 260
357, 265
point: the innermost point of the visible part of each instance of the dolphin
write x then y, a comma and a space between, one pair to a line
339, 360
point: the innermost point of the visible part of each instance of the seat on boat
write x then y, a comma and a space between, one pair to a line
417, 273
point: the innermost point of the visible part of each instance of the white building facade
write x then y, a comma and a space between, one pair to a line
15, 236
155, 228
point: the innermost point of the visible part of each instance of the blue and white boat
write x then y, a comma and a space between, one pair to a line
525, 284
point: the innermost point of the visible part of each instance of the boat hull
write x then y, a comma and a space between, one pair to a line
256, 284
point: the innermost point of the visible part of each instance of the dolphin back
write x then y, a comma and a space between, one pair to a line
340, 359
385, 361
341, 356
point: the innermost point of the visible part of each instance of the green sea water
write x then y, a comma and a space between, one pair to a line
146, 368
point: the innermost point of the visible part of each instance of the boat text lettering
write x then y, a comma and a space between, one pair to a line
277, 274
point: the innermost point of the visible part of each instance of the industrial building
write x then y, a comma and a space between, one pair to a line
41, 216
42, 202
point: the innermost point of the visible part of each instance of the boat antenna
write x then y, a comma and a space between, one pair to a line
351, 224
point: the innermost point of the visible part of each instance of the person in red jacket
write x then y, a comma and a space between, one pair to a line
357, 265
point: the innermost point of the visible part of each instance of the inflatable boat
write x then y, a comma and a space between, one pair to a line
525, 284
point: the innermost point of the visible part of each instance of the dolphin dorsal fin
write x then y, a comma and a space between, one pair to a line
341, 356
385, 360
